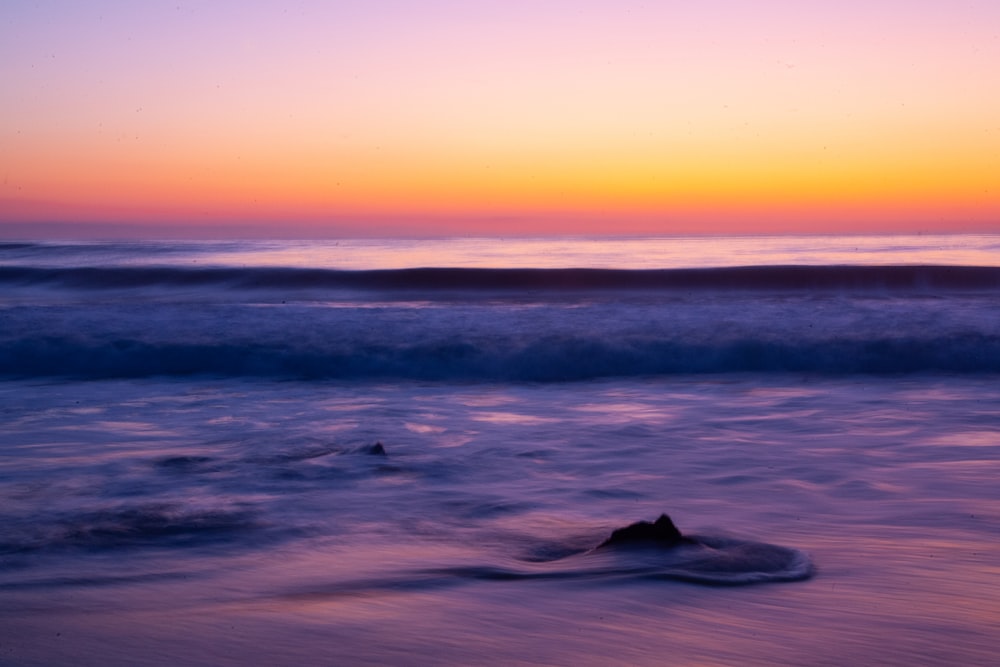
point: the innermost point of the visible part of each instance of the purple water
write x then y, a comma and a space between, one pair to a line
188, 472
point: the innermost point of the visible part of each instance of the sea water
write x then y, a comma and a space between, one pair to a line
373, 452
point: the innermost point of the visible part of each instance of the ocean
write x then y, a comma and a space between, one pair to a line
409, 452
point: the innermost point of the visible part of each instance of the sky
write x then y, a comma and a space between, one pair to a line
466, 117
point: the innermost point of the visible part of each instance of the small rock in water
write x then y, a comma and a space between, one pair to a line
662, 532
374, 450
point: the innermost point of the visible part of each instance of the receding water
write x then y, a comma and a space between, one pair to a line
164, 503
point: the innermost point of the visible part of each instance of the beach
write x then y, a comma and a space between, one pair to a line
264, 452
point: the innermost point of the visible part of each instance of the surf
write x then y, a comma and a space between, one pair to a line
442, 279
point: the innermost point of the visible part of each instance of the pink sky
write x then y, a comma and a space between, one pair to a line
327, 118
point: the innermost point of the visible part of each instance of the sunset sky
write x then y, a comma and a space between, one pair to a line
501, 117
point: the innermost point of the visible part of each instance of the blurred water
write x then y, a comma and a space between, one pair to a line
210, 472
152, 522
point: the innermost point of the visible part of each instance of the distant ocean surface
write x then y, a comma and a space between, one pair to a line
405, 451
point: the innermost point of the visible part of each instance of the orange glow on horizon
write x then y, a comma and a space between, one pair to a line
598, 125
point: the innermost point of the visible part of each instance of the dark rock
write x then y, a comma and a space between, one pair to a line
374, 450
662, 532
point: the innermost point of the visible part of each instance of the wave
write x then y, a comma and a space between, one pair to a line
113, 528
546, 359
713, 561
839, 277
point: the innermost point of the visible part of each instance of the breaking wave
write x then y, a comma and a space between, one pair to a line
457, 279
486, 324
548, 358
